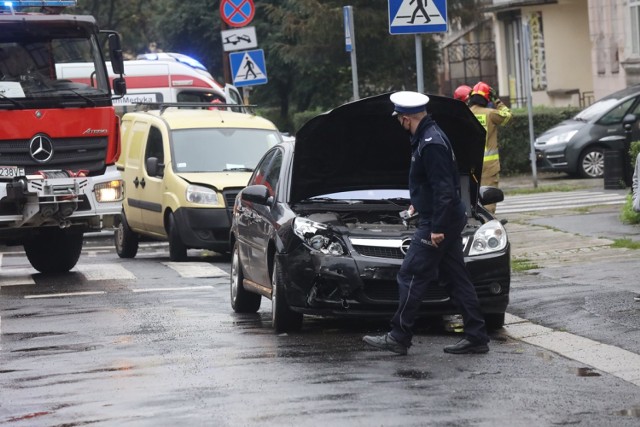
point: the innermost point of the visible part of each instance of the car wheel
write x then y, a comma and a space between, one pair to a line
242, 301
126, 241
494, 321
54, 250
177, 249
591, 164
283, 318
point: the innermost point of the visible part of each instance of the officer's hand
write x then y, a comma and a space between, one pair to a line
437, 238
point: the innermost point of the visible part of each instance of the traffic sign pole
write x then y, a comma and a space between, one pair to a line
419, 65
350, 41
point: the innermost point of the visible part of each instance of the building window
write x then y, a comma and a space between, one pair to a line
634, 6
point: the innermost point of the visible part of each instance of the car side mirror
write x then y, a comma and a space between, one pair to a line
490, 195
256, 194
628, 121
154, 168
115, 53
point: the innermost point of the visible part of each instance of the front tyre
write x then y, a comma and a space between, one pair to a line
591, 163
283, 318
177, 249
242, 301
54, 250
126, 241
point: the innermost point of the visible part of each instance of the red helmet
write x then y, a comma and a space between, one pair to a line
481, 88
462, 93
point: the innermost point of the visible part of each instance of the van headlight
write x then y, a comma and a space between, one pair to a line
201, 195
109, 192
317, 236
491, 237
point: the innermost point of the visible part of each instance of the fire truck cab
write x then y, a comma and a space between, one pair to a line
59, 139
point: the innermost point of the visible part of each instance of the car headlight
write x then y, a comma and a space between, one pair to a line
317, 236
491, 237
201, 195
561, 137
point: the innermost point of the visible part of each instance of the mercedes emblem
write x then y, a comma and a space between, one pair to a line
41, 148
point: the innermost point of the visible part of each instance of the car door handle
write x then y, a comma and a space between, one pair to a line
136, 182
142, 183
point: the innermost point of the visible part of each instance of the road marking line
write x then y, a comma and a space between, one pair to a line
16, 277
196, 269
612, 360
105, 272
66, 294
186, 288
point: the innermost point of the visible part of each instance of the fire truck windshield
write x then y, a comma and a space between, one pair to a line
38, 72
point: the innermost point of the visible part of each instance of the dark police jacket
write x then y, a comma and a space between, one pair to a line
434, 183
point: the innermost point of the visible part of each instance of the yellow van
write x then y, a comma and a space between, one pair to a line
182, 169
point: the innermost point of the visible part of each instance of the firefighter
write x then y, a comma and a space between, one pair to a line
490, 117
462, 93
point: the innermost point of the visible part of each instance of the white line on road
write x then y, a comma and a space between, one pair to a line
196, 269
105, 272
603, 357
66, 294
185, 288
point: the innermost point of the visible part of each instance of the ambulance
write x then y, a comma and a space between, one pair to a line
160, 77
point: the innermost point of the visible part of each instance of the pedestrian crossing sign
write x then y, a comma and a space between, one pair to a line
417, 16
248, 68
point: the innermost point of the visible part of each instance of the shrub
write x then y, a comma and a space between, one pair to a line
627, 214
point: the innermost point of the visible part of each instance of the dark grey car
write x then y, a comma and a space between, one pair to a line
576, 146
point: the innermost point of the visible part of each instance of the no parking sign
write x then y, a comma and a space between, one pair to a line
237, 13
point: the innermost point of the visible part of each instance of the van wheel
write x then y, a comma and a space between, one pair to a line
54, 250
177, 249
283, 318
242, 301
126, 241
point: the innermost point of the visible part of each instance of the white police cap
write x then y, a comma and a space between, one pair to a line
407, 102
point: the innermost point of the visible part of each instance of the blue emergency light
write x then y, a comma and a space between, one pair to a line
41, 3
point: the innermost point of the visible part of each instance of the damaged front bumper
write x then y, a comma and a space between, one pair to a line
357, 285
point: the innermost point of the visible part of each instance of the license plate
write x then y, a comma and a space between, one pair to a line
11, 171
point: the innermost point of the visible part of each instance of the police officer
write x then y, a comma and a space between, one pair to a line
491, 113
436, 246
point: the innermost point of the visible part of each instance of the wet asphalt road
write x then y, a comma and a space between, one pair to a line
145, 342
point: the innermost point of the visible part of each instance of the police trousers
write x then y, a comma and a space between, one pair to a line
422, 266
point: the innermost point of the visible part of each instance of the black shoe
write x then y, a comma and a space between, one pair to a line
636, 298
386, 342
464, 346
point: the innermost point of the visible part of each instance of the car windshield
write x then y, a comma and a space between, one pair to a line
596, 110
372, 194
217, 150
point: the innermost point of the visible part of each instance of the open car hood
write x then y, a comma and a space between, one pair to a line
359, 145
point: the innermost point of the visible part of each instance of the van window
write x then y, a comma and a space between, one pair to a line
220, 149
154, 145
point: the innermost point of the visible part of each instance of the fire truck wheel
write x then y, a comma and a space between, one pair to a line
177, 249
54, 250
126, 241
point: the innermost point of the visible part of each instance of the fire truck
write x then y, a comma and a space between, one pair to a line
59, 139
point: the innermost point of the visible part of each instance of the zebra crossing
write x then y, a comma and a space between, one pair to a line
560, 200
15, 272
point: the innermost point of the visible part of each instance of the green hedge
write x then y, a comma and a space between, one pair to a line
514, 140
627, 214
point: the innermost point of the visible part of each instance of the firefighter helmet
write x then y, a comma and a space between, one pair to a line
481, 88
462, 93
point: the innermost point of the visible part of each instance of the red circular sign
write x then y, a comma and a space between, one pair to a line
237, 13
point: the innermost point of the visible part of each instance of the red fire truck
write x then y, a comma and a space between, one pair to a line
59, 139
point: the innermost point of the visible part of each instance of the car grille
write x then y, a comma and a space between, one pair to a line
387, 290
68, 154
378, 251
230, 196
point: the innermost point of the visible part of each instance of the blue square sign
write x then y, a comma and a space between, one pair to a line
248, 68
417, 16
